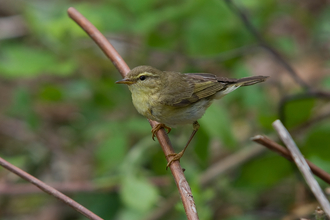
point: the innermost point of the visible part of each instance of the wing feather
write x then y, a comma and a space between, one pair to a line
197, 86
203, 85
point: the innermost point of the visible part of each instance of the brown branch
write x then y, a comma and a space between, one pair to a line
112, 54
239, 12
261, 40
301, 163
222, 166
228, 163
11, 189
297, 97
48, 189
163, 208
309, 123
272, 145
12, 27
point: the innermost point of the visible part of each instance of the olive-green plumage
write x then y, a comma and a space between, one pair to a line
172, 98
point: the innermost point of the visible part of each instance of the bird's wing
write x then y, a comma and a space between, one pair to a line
197, 86
178, 92
205, 85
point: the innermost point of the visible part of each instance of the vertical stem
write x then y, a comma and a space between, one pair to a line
299, 159
117, 60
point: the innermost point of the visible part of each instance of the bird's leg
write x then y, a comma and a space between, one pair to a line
179, 155
155, 129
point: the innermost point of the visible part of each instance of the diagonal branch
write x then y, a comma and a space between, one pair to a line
48, 189
265, 141
301, 163
261, 40
219, 168
264, 44
112, 54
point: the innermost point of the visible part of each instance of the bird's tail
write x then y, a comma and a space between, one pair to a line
248, 81
233, 84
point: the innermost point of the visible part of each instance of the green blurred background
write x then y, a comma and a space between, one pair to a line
65, 121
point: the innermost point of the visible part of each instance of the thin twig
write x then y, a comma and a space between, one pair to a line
261, 40
164, 208
309, 123
302, 165
12, 27
229, 162
222, 166
72, 187
177, 172
239, 12
272, 145
48, 189
298, 97
10, 189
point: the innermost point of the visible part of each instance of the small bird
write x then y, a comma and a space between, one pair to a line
172, 98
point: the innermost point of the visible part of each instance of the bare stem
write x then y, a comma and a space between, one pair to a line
301, 163
228, 163
272, 145
107, 48
10, 189
48, 189
222, 166
278, 57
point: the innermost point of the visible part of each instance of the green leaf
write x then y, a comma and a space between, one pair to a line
326, 81
106, 205
23, 61
51, 93
242, 217
297, 112
26, 62
138, 155
141, 6
287, 45
22, 107
109, 18
266, 119
138, 193
138, 125
21, 100
323, 163
211, 28
265, 171
317, 141
111, 152
19, 160
130, 214
201, 147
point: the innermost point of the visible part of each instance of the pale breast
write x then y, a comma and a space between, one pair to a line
148, 105
172, 116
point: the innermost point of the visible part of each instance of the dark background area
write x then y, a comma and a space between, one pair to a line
64, 120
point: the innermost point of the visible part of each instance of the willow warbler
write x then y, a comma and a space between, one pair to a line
172, 98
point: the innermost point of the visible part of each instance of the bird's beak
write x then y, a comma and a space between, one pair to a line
125, 81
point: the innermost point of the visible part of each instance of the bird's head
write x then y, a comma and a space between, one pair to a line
144, 79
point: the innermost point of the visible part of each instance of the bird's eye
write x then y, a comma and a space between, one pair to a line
143, 77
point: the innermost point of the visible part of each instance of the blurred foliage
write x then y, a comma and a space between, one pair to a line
63, 119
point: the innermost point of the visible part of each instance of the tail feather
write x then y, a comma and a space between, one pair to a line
248, 81
233, 84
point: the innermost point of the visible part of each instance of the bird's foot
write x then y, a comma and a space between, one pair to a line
155, 129
179, 155
175, 158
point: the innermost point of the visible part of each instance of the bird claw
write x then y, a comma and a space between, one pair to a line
175, 158
155, 129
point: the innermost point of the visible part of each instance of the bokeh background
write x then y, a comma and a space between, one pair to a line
65, 121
